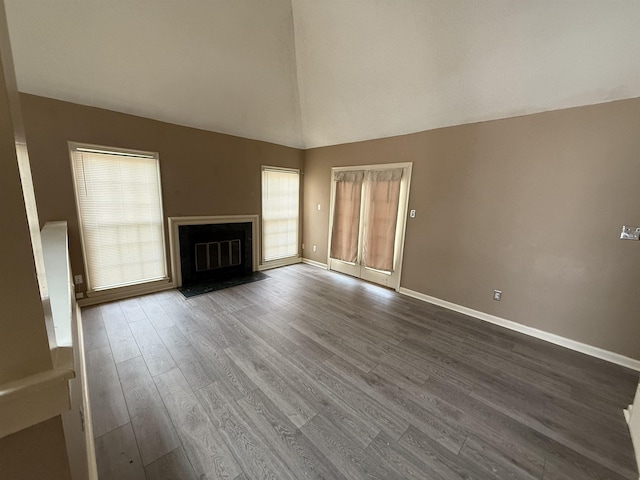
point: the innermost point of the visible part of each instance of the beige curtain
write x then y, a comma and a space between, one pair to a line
346, 216
381, 218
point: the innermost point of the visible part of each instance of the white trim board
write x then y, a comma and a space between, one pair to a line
314, 263
34, 399
278, 263
533, 332
127, 292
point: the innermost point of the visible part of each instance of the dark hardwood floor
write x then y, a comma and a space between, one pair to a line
314, 375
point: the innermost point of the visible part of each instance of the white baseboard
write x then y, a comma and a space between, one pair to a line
278, 263
128, 292
314, 263
533, 332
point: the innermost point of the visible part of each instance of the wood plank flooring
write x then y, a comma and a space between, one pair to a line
315, 375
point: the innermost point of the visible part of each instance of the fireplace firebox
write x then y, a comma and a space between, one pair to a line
215, 252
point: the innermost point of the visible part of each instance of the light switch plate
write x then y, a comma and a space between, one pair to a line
77, 279
630, 233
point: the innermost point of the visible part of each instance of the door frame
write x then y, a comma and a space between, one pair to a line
401, 227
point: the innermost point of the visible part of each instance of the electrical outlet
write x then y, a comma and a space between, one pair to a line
497, 295
77, 279
630, 233
303, 246
412, 214
318, 207
79, 295
315, 248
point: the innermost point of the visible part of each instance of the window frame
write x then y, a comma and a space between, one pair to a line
295, 258
122, 290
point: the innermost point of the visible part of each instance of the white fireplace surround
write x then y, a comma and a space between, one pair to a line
174, 238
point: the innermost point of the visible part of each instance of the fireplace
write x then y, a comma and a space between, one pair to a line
211, 249
211, 252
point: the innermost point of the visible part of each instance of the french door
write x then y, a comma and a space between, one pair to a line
368, 217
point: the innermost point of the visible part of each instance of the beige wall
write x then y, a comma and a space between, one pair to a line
203, 173
530, 205
37, 452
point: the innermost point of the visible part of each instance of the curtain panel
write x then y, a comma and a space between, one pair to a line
346, 215
381, 218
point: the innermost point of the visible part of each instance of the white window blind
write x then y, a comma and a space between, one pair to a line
120, 211
280, 212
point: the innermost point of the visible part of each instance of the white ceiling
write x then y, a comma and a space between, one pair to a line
308, 73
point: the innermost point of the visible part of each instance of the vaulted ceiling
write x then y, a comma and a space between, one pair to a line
308, 73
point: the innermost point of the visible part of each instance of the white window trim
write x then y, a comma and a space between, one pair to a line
135, 288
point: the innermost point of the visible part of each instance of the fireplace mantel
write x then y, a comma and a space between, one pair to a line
174, 238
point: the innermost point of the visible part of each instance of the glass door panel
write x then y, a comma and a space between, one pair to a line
367, 227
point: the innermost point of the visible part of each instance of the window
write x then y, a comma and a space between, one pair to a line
280, 211
120, 212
